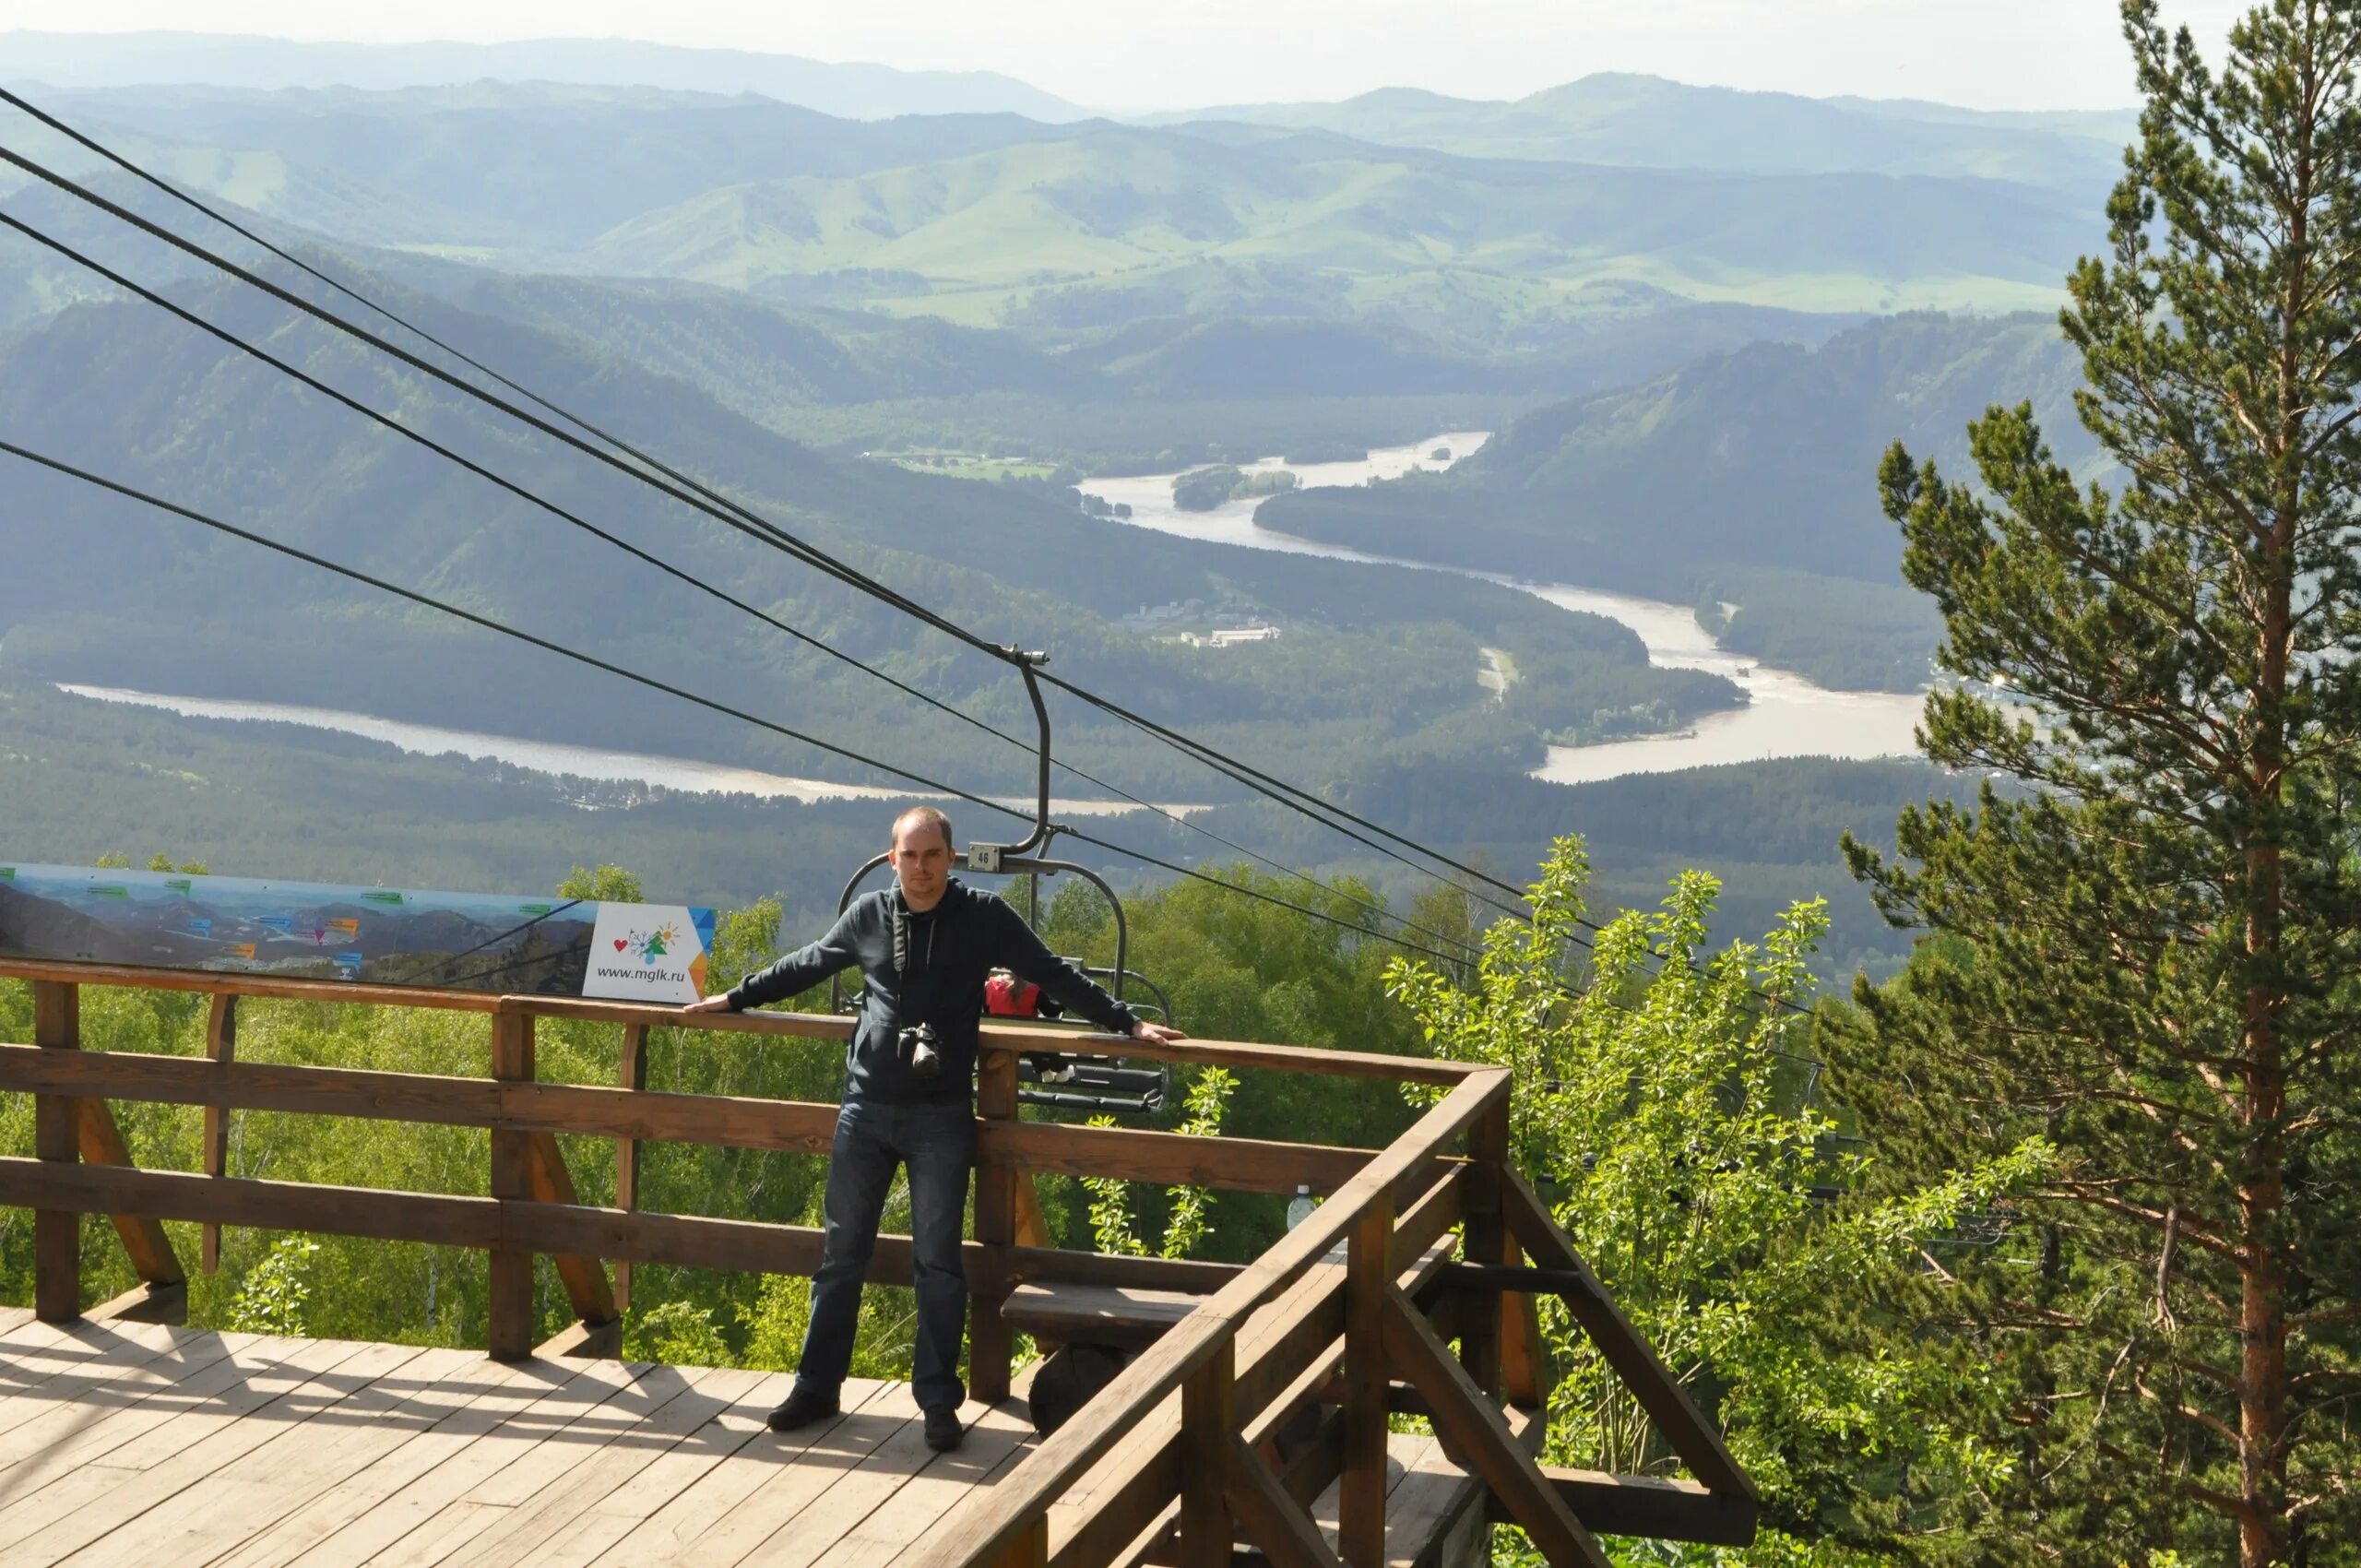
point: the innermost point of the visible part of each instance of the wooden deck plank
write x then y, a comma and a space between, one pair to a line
1425, 1496
535, 1522
669, 1534
246, 1498
854, 1496
85, 1426
308, 1451
12, 1316
998, 1440
166, 1456
90, 1356
449, 1414
790, 1491
411, 1527
603, 1515
378, 1509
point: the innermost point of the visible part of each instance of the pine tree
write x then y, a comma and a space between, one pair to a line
2156, 923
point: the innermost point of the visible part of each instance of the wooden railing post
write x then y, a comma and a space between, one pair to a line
510, 1336
1484, 1241
57, 1233
1208, 1432
221, 1045
1360, 1498
990, 1341
631, 1073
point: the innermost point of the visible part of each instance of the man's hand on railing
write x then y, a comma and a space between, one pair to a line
1156, 1034
710, 1005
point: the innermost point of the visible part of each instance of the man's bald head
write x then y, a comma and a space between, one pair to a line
917, 819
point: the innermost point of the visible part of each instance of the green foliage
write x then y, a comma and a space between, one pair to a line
606, 885
775, 1329
1207, 1102
271, 1297
1111, 1225
1187, 1223
1658, 1107
680, 1333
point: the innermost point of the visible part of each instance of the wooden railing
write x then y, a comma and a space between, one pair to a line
1275, 1381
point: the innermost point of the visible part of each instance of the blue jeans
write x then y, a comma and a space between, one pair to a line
937, 1142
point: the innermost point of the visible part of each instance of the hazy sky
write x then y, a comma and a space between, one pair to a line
1144, 54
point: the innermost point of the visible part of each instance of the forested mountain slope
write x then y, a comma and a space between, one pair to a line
1747, 478
1372, 659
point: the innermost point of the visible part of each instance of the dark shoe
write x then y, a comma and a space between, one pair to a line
801, 1407
944, 1432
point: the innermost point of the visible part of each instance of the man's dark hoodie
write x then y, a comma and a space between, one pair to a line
926, 966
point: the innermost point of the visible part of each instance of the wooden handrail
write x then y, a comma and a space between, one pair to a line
1130, 1154
1020, 1501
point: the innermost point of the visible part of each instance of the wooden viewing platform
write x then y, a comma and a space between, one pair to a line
1254, 1415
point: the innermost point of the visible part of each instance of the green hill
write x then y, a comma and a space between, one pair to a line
994, 220
1116, 206
1647, 122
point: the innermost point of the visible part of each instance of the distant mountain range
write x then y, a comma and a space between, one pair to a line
999, 220
853, 91
1648, 123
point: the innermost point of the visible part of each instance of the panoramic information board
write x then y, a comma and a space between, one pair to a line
380, 935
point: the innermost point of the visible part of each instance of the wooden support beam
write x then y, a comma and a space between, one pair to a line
1526, 1377
1032, 1224
1208, 1428
584, 1277
1030, 1549
584, 1341
991, 1339
1485, 1240
1465, 1418
1664, 1510
146, 1303
1274, 1520
509, 1336
1361, 1488
1634, 1360
102, 1143
630, 1074
220, 1046
57, 1233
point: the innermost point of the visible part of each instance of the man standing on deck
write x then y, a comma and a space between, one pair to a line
925, 948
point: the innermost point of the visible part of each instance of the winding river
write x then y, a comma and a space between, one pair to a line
558, 758
1786, 714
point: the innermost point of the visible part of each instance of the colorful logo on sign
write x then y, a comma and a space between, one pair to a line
649, 946
347, 965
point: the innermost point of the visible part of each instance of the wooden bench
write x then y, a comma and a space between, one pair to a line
1123, 1317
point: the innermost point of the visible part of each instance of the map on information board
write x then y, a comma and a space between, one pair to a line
377, 935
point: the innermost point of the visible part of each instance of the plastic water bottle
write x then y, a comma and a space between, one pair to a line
1301, 1208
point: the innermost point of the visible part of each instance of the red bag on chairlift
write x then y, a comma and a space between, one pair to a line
1005, 996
